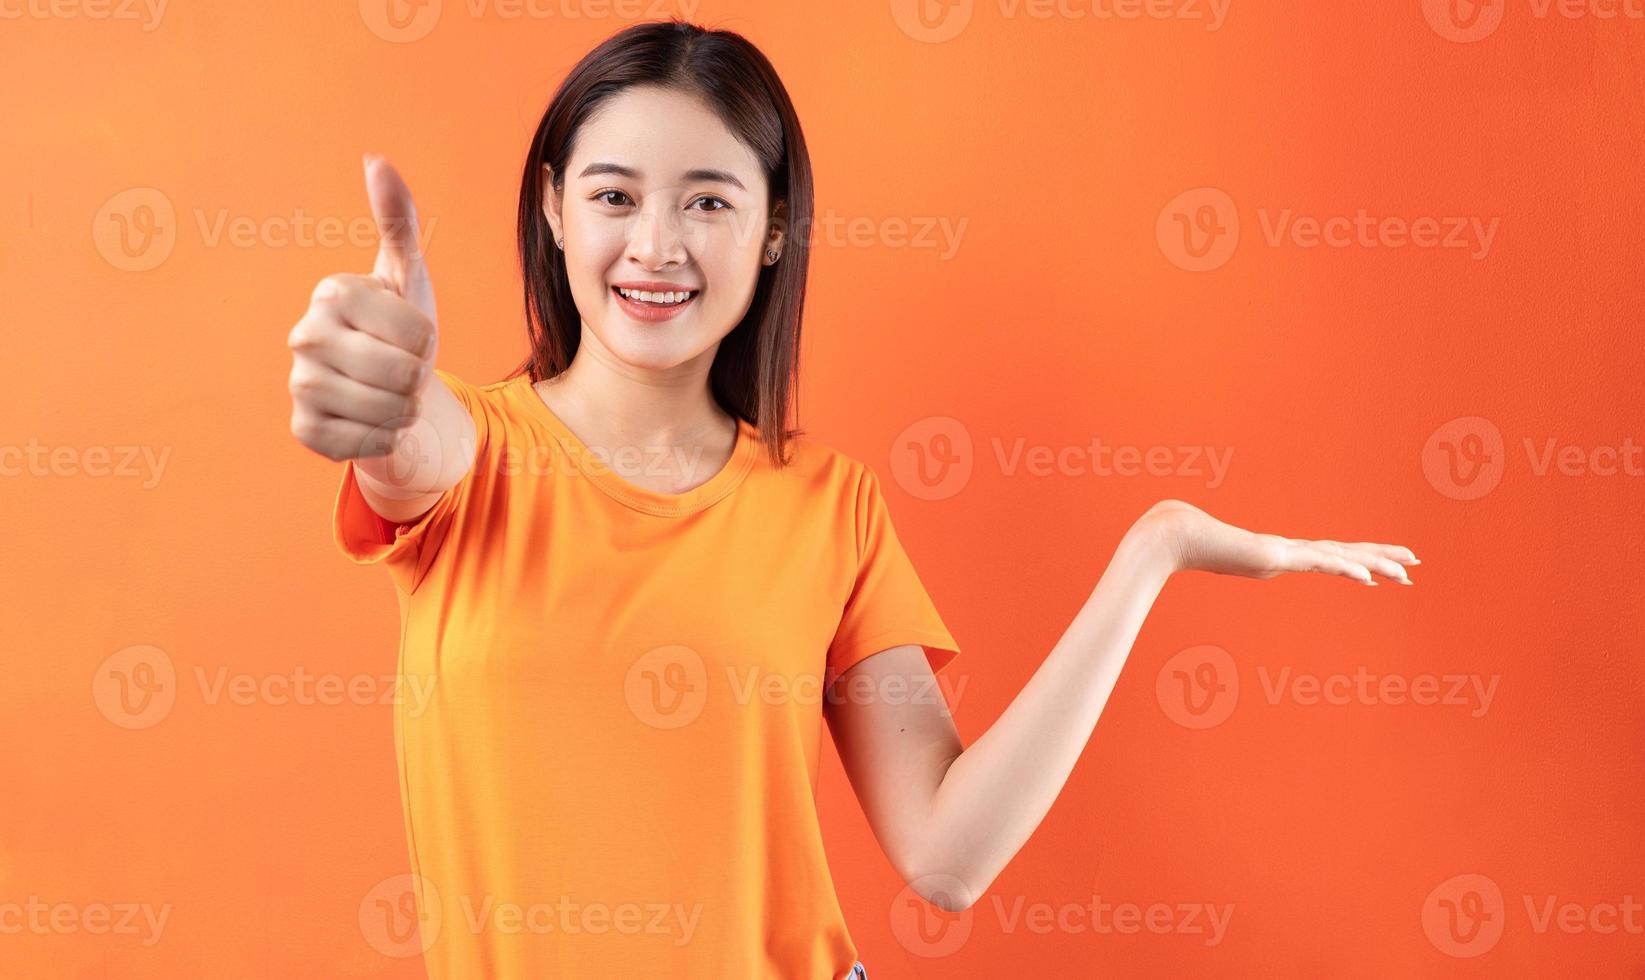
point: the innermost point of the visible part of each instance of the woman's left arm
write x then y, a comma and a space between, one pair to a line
950, 817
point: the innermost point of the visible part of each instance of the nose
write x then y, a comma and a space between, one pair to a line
654, 235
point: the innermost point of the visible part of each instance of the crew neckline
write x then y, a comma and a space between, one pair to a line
583, 460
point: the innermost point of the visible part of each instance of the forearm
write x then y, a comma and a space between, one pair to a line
997, 791
431, 455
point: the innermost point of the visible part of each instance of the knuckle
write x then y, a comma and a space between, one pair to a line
306, 431
303, 385
329, 291
312, 333
302, 336
411, 375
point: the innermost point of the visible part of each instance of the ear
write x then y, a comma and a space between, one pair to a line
776, 233
552, 204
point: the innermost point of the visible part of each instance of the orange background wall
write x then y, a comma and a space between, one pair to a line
1053, 150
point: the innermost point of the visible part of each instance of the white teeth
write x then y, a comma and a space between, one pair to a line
663, 298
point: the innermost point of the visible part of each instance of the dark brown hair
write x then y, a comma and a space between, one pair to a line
756, 367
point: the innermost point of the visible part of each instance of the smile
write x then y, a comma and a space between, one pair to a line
674, 298
651, 307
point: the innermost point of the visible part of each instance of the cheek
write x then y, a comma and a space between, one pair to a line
595, 260
732, 297
730, 261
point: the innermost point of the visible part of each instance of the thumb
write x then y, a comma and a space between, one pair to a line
399, 255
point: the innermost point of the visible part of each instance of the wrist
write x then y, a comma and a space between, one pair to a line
1154, 542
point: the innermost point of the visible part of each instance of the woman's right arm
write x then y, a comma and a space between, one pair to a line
362, 381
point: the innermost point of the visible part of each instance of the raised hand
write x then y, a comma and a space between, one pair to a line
1198, 541
363, 354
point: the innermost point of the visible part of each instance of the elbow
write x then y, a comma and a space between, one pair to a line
947, 891
955, 899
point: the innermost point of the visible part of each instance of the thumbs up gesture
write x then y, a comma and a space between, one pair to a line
363, 353
400, 265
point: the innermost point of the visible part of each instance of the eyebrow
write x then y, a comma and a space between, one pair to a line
700, 174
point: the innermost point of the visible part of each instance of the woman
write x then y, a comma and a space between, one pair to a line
637, 594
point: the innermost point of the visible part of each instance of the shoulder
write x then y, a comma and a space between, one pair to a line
490, 391
827, 487
824, 469
497, 406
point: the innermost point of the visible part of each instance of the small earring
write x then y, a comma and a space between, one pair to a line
771, 255
559, 243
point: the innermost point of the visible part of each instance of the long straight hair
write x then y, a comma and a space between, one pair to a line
755, 371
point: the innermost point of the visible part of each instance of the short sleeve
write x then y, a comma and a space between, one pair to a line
888, 605
408, 550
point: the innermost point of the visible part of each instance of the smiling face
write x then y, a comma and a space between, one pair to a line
659, 191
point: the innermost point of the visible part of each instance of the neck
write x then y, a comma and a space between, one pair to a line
635, 406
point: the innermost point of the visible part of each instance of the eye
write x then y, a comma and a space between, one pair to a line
601, 195
723, 205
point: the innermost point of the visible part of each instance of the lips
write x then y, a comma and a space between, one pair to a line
617, 291
652, 312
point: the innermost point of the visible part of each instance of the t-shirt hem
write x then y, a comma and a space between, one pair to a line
940, 648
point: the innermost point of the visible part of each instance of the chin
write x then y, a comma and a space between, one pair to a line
645, 346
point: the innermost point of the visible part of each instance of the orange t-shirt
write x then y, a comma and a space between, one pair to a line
611, 768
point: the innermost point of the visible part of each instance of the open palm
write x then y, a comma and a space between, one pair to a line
1201, 542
